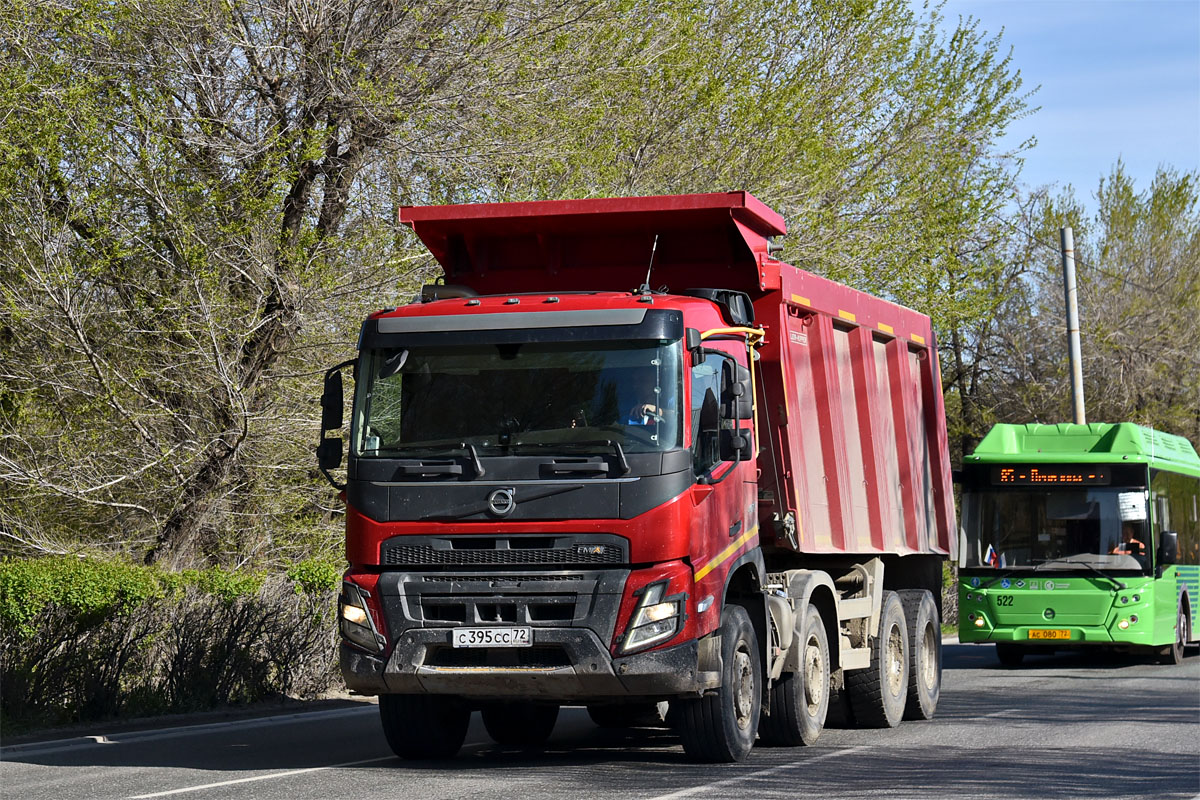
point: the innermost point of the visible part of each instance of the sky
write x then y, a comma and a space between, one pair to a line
1119, 79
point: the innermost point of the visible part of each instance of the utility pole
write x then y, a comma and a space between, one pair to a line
1076, 363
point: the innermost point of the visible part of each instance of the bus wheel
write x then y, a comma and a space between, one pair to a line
420, 726
519, 724
925, 648
1173, 653
720, 727
878, 693
800, 700
1010, 655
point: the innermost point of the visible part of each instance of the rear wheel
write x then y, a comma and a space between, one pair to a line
925, 653
1173, 653
629, 715
419, 726
720, 727
1010, 655
519, 724
878, 693
800, 700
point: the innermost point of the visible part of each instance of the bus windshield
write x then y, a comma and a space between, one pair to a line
500, 398
1056, 528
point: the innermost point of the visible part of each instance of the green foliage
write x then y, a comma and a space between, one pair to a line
89, 590
87, 639
315, 576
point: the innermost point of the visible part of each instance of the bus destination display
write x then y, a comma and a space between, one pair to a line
1068, 475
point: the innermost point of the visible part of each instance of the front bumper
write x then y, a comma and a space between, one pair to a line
591, 674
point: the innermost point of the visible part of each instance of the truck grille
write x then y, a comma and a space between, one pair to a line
517, 550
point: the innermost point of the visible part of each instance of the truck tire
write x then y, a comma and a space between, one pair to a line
519, 724
1173, 653
422, 726
1009, 654
879, 692
721, 726
629, 715
925, 653
800, 700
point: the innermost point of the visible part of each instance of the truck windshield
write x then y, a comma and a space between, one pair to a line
498, 397
1061, 528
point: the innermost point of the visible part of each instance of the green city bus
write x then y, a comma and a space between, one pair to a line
1080, 535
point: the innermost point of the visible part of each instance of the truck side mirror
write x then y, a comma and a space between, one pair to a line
332, 403
329, 453
1168, 548
735, 445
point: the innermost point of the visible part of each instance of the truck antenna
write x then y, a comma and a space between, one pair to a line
645, 287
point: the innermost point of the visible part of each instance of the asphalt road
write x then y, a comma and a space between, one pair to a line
1078, 726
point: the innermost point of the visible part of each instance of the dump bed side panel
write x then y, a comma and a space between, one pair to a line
855, 422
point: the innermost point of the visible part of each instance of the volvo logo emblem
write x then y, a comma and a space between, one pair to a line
501, 502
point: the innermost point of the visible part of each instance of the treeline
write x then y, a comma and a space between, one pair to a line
199, 204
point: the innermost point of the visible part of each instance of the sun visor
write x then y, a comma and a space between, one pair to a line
602, 244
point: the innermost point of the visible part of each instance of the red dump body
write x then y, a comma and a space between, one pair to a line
850, 416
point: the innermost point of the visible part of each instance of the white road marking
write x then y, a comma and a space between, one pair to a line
760, 774
250, 723
272, 776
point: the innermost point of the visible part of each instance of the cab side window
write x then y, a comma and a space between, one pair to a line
706, 413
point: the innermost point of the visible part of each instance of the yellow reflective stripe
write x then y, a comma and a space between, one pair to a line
727, 553
801, 300
883, 326
918, 338
846, 315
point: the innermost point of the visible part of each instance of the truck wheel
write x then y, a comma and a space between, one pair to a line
720, 727
420, 726
800, 700
925, 653
629, 715
878, 693
519, 724
1173, 653
1010, 655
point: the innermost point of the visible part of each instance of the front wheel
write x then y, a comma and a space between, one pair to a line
720, 727
1173, 653
421, 726
800, 700
519, 724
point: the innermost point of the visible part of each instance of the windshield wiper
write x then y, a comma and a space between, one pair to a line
616, 446
462, 447
1092, 567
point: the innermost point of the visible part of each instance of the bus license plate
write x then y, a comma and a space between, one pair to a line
491, 637
1049, 633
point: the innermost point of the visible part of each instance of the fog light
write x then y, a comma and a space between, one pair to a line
1123, 624
979, 622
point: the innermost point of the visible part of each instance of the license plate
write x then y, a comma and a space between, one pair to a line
491, 637
1049, 633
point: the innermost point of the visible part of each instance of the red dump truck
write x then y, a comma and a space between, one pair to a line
728, 496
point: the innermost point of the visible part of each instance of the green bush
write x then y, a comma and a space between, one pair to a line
86, 639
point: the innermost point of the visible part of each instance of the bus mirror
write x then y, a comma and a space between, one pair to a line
1168, 548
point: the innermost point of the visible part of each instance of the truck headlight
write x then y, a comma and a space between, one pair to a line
656, 618
354, 619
